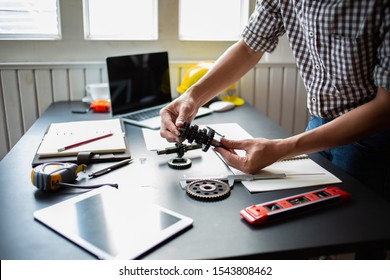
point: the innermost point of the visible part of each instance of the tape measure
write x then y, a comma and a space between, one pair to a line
281, 208
54, 175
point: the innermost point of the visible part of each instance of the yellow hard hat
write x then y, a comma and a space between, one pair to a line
197, 71
230, 95
193, 74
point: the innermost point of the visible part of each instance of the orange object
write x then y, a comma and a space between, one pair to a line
101, 106
281, 208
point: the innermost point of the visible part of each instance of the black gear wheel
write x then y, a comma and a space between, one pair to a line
202, 137
180, 163
208, 190
184, 130
180, 149
209, 139
192, 134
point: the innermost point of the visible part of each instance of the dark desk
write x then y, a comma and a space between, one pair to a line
218, 230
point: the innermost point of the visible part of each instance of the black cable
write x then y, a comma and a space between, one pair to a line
86, 187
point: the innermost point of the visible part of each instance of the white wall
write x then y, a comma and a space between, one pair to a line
29, 69
73, 47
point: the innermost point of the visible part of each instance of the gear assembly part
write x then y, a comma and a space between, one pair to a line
179, 148
208, 190
180, 163
203, 136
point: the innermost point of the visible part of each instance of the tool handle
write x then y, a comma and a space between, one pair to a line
285, 207
245, 177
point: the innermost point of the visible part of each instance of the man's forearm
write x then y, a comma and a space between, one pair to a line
370, 118
229, 68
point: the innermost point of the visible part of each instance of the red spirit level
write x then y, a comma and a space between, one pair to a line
277, 209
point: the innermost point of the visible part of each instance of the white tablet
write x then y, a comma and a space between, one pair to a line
105, 223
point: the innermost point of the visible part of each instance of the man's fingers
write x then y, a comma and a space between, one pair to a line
232, 158
168, 129
233, 144
186, 114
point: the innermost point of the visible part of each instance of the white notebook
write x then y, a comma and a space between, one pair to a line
60, 135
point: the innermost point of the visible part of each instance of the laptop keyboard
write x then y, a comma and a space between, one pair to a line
144, 115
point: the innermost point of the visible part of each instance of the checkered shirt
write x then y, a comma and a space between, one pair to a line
342, 48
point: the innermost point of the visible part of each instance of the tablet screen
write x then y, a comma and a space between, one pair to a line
109, 226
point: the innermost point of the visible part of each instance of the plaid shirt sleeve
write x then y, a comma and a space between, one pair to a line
264, 27
382, 69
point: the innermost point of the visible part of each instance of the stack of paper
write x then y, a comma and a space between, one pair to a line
300, 172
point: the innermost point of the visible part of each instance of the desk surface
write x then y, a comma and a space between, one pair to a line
218, 230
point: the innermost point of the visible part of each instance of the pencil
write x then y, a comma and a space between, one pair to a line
84, 142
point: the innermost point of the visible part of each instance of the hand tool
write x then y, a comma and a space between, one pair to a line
51, 176
296, 204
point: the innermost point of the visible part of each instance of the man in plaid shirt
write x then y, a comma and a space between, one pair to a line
342, 51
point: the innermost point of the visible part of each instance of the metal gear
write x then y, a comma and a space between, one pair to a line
180, 163
209, 140
202, 137
208, 190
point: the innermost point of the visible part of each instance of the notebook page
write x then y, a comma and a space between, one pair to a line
60, 135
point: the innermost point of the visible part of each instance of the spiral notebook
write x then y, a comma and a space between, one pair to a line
301, 171
59, 135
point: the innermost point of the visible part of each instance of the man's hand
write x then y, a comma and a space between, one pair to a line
230, 67
174, 115
259, 153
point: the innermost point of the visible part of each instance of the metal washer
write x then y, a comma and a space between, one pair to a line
208, 190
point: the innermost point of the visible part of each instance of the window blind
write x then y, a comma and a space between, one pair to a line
30, 19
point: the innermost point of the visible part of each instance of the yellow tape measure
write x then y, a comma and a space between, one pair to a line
51, 176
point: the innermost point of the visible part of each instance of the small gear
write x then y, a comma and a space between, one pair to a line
184, 130
202, 137
180, 163
208, 190
209, 139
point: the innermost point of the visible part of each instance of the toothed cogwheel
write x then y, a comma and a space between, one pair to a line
180, 163
208, 190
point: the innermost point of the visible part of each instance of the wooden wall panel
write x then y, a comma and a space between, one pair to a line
60, 83
28, 98
76, 84
288, 98
261, 90
12, 105
247, 89
175, 77
93, 76
274, 89
44, 86
4, 141
275, 94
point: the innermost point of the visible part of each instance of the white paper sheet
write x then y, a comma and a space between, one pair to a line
314, 174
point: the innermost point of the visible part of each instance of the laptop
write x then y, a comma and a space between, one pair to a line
140, 87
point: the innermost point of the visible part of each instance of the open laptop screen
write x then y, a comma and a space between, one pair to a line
138, 82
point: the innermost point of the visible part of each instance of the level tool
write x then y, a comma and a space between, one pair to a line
281, 208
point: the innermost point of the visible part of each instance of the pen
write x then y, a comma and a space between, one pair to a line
219, 134
84, 142
110, 168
